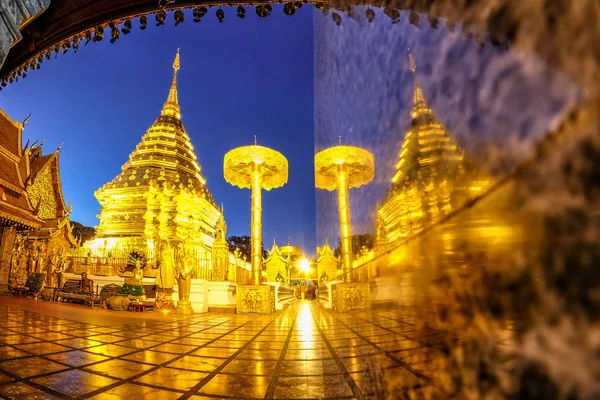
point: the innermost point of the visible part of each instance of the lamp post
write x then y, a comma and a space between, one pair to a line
255, 167
344, 167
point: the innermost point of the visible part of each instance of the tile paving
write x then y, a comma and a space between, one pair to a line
299, 353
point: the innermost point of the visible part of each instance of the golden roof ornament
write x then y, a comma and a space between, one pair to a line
358, 163
411, 62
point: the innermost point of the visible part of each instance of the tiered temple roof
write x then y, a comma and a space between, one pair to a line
432, 177
15, 206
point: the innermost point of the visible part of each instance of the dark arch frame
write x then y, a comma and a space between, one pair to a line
64, 25
67, 24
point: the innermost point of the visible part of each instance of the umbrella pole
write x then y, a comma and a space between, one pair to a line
256, 224
345, 227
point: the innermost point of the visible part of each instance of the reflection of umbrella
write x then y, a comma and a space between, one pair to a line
343, 167
256, 167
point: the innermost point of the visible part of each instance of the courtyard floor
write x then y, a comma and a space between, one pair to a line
64, 351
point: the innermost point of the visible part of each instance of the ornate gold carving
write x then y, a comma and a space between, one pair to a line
344, 167
43, 191
258, 168
351, 296
255, 299
220, 252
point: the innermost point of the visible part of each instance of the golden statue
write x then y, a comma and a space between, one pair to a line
51, 267
41, 259
183, 273
165, 279
86, 286
133, 284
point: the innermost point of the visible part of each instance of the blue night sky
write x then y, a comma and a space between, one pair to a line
238, 79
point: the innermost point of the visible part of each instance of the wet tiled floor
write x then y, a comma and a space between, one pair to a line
301, 352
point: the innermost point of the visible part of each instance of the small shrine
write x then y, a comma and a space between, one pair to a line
328, 265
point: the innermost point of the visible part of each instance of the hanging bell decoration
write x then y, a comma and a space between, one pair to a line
115, 34
220, 14
198, 13
413, 19
241, 11
289, 9
336, 18
88, 37
127, 26
143, 22
370, 14
433, 21
98, 34
179, 17
393, 14
160, 17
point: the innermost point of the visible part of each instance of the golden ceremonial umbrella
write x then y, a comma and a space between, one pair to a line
343, 167
258, 168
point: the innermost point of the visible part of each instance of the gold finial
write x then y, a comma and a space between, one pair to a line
339, 140
176, 64
255, 140
411, 62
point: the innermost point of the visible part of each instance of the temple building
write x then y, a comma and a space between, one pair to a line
34, 220
328, 265
17, 213
45, 192
433, 177
280, 262
160, 193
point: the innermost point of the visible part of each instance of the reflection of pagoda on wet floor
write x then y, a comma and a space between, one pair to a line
433, 177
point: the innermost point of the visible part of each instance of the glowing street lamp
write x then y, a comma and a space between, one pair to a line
304, 265
343, 167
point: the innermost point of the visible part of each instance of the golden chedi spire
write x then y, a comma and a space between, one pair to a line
420, 105
427, 142
171, 107
163, 164
432, 173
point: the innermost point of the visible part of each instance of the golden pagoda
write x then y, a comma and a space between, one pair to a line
432, 177
160, 193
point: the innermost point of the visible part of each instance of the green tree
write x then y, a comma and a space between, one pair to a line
244, 243
82, 231
358, 241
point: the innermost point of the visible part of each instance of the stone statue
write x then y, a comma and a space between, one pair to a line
133, 284
183, 273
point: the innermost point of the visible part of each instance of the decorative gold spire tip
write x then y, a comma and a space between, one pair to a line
411, 62
255, 140
176, 64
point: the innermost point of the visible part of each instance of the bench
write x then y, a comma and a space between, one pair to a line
70, 291
141, 307
33, 286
